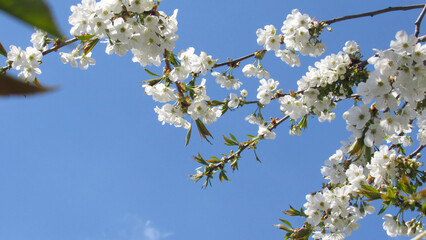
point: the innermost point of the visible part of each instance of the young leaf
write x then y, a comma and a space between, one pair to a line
229, 142
233, 137
255, 154
204, 133
188, 135
200, 159
90, 45
286, 222
151, 73
34, 12
85, 37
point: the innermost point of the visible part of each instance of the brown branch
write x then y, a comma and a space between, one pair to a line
416, 151
419, 21
371, 14
234, 61
59, 45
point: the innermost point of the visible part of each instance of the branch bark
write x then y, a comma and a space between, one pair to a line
419, 21
374, 13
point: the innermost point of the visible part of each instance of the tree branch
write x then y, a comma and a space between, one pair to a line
371, 14
59, 45
419, 149
237, 60
419, 21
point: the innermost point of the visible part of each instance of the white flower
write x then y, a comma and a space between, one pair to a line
70, 57
243, 93
265, 132
357, 116
86, 60
390, 225
404, 43
234, 101
351, 47
160, 92
38, 40
172, 115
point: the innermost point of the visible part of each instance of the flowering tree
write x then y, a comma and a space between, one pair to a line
386, 117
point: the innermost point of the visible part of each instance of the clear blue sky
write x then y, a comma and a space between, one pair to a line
90, 160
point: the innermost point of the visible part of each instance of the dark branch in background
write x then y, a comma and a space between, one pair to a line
419, 21
371, 14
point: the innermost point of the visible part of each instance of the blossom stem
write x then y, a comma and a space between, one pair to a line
373, 13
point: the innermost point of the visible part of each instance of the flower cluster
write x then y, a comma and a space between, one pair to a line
300, 33
128, 25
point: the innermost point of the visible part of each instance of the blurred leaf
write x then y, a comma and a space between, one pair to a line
2, 50
188, 135
12, 86
204, 133
34, 12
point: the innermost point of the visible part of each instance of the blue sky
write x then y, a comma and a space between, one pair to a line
90, 160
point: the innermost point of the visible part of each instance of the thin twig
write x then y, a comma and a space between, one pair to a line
58, 46
416, 151
233, 61
419, 21
371, 14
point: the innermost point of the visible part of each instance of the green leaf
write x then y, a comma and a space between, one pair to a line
200, 159
151, 73
204, 133
229, 142
188, 135
85, 37
233, 137
12, 86
2, 50
34, 12
255, 154
383, 209
90, 45
250, 136
286, 222
356, 147
370, 192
